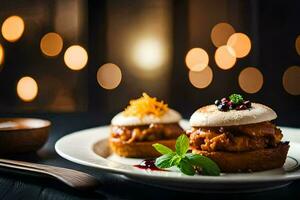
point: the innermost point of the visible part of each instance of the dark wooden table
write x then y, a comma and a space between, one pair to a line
24, 186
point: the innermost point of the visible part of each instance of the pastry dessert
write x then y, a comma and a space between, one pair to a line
144, 122
238, 135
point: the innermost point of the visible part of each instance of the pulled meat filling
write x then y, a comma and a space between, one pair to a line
235, 138
150, 132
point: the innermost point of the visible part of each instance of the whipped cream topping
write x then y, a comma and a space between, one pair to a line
171, 116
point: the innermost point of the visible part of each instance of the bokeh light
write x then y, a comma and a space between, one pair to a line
76, 57
297, 44
27, 89
196, 59
240, 43
1, 55
291, 80
51, 44
220, 33
149, 54
251, 80
225, 57
201, 79
109, 76
13, 28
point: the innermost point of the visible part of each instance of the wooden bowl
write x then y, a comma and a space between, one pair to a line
22, 135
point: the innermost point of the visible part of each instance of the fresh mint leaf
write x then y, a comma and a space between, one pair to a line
236, 98
182, 144
208, 166
175, 160
162, 148
165, 161
186, 167
186, 162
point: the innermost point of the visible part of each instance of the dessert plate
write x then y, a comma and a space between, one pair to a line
90, 147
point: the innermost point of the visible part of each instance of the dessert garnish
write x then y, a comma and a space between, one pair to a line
187, 163
146, 105
148, 164
234, 102
144, 122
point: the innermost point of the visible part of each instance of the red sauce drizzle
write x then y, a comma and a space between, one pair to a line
148, 164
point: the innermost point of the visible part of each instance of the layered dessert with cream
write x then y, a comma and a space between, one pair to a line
238, 135
144, 122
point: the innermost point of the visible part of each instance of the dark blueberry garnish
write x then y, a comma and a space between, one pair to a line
241, 107
247, 104
232, 107
220, 107
217, 102
224, 100
223, 107
234, 102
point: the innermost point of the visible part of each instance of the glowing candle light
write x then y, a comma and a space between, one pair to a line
109, 76
201, 79
297, 45
225, 57
51, 44
220, 34
76, 57
197, 59
27, 89
290, 80
1, 55
240, 43
149, 54
13, 28
251, 80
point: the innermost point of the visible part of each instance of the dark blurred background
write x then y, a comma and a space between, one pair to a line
92, 57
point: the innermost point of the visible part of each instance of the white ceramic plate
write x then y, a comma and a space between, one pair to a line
78, 147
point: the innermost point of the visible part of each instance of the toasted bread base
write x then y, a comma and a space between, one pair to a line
250, 161
139, 149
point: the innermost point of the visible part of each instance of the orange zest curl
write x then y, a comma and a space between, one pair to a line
146, 105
